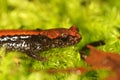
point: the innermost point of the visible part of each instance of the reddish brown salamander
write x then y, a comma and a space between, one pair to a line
32, 42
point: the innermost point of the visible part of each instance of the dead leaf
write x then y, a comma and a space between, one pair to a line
100, 59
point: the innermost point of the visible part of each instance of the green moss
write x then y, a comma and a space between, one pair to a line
96, 20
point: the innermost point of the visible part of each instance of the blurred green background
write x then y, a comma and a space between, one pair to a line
96, 20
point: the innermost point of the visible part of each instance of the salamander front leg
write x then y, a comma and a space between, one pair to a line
36, 56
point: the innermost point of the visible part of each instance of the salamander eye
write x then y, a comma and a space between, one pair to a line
64, 35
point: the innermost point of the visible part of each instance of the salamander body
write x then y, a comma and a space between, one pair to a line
32, 42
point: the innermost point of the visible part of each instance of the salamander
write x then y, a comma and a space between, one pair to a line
32, 42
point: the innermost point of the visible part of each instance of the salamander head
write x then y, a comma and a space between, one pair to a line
72, 35
67, 37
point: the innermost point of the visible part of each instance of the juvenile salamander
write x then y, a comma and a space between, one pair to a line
32, 42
